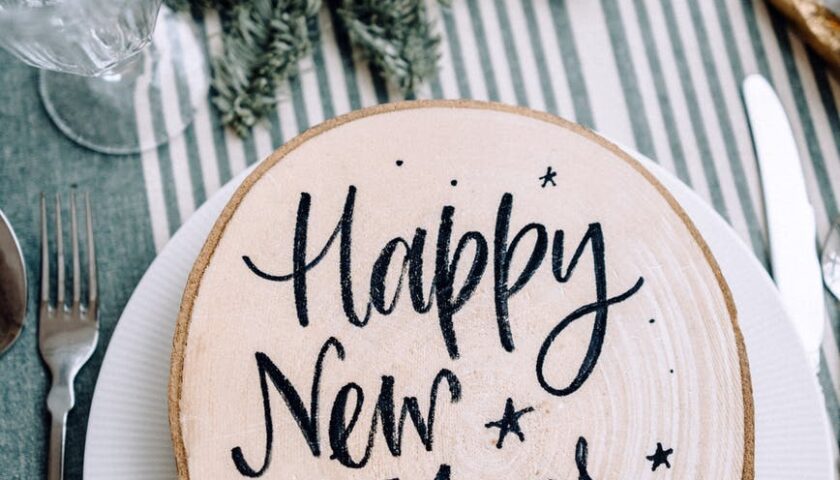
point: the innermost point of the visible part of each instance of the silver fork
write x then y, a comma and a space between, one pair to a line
67, 334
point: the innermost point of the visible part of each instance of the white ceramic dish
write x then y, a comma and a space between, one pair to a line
128, 431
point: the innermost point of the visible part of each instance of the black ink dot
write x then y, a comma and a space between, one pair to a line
454, 183
672, 370
399, 163
651, 320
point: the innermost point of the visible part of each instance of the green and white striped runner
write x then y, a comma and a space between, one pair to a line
659, 76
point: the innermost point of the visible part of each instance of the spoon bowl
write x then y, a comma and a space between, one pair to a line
13, 289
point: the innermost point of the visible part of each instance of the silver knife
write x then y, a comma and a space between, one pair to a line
790, 217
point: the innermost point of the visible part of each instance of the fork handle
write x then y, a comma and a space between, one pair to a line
55, 468
60, 401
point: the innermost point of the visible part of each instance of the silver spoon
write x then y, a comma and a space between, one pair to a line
831, 260
12, 286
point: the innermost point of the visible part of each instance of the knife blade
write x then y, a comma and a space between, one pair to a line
790, 216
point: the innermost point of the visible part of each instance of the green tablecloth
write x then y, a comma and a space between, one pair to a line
660, 76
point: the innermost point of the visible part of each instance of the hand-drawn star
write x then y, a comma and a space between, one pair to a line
660, 457
549, 177
509, 422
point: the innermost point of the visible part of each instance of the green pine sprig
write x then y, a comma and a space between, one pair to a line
396, 36
265, 39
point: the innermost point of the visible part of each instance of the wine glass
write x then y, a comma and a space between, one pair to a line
98, 56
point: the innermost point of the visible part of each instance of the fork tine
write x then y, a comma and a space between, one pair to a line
92, 287
74, 245
59, 254
45, 253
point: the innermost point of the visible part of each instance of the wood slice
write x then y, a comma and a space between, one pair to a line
457, 290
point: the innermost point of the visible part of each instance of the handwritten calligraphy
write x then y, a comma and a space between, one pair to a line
431, 288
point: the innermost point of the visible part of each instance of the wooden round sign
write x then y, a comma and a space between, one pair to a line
457, 290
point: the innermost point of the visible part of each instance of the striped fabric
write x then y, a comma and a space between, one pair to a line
659, 76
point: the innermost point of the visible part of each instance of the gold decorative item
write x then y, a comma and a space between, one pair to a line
818, 24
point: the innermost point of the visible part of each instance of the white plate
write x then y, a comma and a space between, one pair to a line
128, 431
